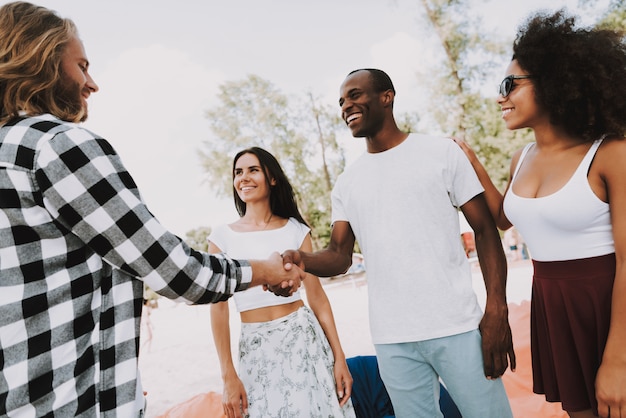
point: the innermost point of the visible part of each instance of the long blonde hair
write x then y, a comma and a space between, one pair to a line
32, 41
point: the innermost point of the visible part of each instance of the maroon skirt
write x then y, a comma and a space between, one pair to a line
570, 318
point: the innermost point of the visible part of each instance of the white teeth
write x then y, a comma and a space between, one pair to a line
245, 189
353, 117
506, 112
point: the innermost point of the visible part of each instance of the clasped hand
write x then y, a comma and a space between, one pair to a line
288, 276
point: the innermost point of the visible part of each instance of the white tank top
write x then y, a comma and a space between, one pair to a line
569, 224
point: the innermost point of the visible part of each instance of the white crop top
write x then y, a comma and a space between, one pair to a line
258, 245
569, 224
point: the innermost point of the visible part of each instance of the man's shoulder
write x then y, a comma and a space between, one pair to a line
44, 126
23, 136
353, 168
31, 135
433, 149
421, 139
43, 123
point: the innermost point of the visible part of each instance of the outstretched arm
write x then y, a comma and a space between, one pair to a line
99, 203
320, 305
492, 194
497, 341
334, 260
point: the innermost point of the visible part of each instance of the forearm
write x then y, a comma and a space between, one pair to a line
101, 206
324, 314
492, 195
494, 201
334, 260
198, 278
326, 263
493, 265
321, 307
220, 328
497, 339
614, 351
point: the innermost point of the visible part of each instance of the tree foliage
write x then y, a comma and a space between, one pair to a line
198, 238
468, 56
614, 17
300, 132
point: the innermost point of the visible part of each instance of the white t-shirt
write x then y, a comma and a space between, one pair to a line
402, 206
259, 245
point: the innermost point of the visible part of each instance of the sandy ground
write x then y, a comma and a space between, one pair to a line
181, 361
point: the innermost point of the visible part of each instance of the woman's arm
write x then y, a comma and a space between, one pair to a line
492, 194
611, 378
320, 305
234, 399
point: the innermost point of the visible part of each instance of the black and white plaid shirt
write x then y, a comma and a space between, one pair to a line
76, 245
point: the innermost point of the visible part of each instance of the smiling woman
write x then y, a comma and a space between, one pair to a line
266, 384
576, 113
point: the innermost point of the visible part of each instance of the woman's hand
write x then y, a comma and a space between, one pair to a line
469, 152
611, 390
343, 381
234, 398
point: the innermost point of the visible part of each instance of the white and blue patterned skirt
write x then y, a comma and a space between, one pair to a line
286, 366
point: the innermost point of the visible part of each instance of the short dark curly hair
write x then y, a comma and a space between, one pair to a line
579, 74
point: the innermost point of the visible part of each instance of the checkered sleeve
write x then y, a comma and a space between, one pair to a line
87, 190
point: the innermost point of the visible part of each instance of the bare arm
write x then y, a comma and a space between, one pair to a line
334, 260
234, 398
320, 305
492, 194
497, 340
281, 278
611, 377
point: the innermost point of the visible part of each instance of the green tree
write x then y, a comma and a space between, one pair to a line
614, 17
469, 55
300, 132
198, 238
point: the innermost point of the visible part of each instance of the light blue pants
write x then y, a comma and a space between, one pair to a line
411, 372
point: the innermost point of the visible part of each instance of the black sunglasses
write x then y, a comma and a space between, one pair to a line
507, 84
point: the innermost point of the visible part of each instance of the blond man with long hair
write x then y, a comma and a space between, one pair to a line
77, 241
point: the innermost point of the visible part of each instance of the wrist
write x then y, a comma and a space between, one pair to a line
614, 356
259, 272
340, 358
496, 307
229, 375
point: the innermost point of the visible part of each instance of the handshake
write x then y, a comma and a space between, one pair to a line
280, 274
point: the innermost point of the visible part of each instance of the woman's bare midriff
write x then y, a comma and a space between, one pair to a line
270, 313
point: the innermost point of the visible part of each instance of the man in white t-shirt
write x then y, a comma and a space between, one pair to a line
400, 201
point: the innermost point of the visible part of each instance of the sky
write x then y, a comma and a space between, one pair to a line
159, 65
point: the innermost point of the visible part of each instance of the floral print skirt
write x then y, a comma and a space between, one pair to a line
286, 366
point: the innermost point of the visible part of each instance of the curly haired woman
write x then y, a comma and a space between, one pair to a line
567, 197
